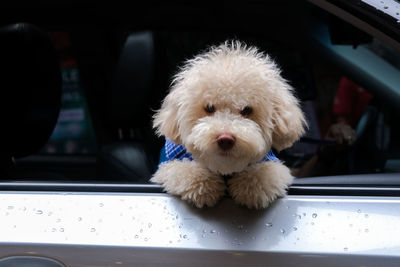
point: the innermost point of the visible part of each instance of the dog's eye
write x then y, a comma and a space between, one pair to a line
209, 108
246, 111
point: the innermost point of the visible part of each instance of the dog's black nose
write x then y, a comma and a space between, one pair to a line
226, 141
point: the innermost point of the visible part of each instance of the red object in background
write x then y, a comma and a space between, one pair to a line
350, 102
62, 44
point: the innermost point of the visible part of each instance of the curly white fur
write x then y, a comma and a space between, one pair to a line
229, 78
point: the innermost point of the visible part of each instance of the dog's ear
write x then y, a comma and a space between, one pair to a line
288, 118
165, 120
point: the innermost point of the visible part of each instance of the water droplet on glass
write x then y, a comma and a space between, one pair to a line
304, 214
253, 237
203, 235
397, 13
61, 229
358, 211
184, 236
204, 231
141, 230
92, 229
329, 214
79, 219
312, 223
294, 228
366, 216
145, 239
283, 231
101, 205
53, 230
136, 236
345, 249
385, 7
58, 220
149, 225
314, 215
268, 224
213, 231
366, 230
39, 212
240, 227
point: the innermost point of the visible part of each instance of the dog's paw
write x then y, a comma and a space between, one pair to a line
259, 185
191, 181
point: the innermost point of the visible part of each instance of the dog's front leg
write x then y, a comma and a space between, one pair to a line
260, 184
190, 180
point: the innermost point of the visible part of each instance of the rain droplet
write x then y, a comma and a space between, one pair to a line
204, 231
358, 211
53, 230
294, 228
346, 249
397, 13
92, 229
203, 235
149, 225
240, 227
39, 212
141, 230
366, 230
136, 236
79, 219
213, 231
314, 215
184, 236
145, 239
366, 216
304, 214
101, 205
283, 231
385, 7
268, 224
61, 229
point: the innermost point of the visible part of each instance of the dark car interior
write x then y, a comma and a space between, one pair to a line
81, 82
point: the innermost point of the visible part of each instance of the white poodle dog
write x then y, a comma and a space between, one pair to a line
225, 111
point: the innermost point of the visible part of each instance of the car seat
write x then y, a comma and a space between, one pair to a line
130, 155
31, 94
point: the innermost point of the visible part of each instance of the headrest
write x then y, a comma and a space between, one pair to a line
128, 101
30, 89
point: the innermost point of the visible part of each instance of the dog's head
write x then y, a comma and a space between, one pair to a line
228, 107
